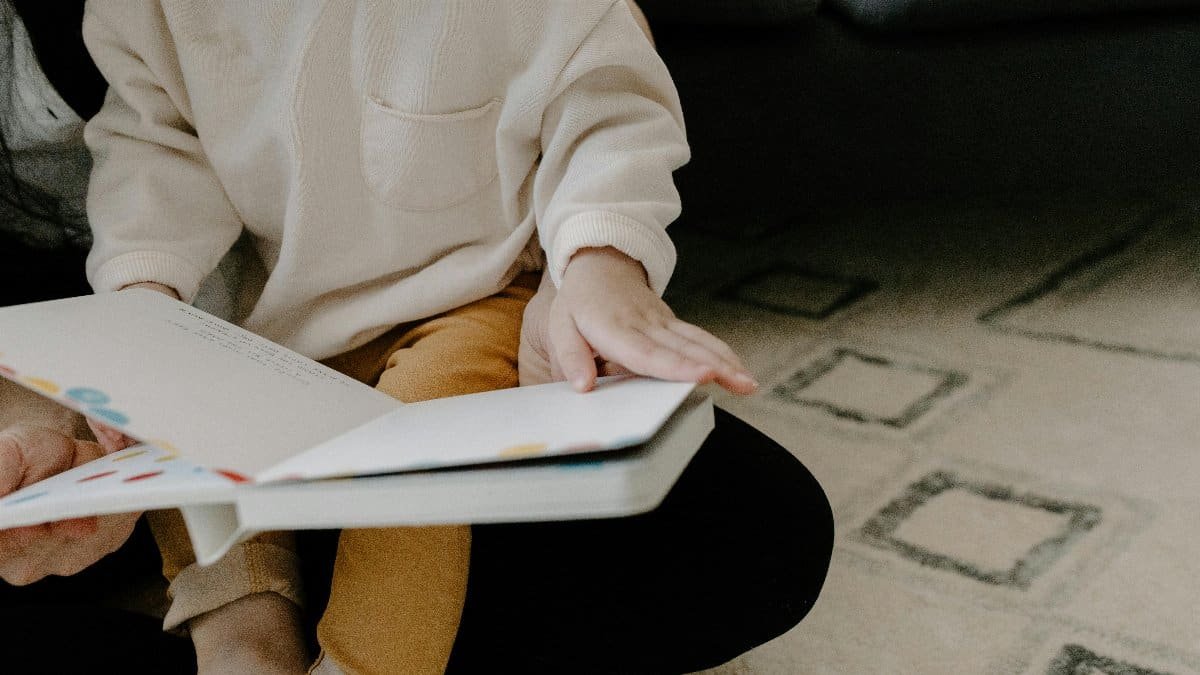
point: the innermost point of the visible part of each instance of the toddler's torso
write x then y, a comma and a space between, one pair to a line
374, 144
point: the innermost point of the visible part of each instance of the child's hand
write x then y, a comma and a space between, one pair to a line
535, 363
606, 310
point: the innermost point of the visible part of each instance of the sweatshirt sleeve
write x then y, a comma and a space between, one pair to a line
612, 135
156, 207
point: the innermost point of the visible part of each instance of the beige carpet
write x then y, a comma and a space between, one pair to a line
1002, 402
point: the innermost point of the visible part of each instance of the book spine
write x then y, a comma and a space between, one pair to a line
213, 529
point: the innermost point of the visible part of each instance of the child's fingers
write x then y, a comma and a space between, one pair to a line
730, 375
574, 355
712, 342
701, 345
533, 365
610, 368
691, 350
736, 377
642, 354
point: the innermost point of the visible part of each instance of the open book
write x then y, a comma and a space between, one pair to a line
243, 435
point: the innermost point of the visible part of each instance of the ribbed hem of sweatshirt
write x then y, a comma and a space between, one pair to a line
250, 567
137, 267
648, 245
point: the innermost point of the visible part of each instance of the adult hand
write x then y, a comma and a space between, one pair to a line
605, 310
29, 454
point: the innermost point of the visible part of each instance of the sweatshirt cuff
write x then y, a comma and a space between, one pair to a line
250, 567
141, 266
648, 245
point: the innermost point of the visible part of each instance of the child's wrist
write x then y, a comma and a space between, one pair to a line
605, 258
154, 286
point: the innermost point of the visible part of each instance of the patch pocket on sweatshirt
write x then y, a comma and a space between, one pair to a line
420, 162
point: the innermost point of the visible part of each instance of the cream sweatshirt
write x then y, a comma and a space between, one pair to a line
390, 160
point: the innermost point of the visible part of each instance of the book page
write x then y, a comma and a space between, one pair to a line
138, 478
182, 380
510, 424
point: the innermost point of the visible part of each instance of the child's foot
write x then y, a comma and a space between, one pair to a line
259, 634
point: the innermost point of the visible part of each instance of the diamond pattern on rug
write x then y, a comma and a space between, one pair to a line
799, 292
1054, 647
1138, 294
1077, 660
988, 533
869, 389
984, 531
1074, 396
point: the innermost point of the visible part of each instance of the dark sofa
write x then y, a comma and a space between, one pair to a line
791, 107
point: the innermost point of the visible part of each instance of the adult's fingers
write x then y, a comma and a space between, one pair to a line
24, 571
109, 438
18, 541
76, 528
26, 553
12, 462
29, 454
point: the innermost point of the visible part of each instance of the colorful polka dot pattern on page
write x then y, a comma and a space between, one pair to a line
523, 451
88, 400
96, 476
88, 396
42, 385
144, 476
138, 468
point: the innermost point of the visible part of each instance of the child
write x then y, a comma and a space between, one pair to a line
400, 167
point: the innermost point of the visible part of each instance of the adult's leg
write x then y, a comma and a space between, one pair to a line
735, 555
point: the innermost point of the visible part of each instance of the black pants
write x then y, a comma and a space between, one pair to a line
734, 556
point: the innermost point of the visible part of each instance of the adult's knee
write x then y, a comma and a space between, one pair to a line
767, 528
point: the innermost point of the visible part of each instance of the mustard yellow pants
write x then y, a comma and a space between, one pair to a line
397, 593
